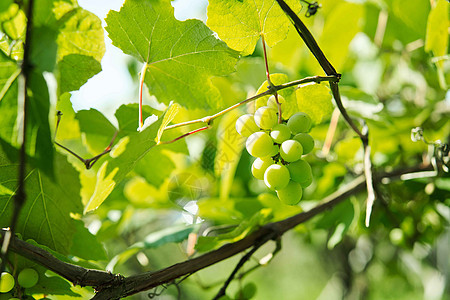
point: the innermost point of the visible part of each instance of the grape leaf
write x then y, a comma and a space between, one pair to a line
437, 38
229, 148
181, 61
39, 141
339, 30
97, 129
112, 171
315, 100
45, 216
240, 23
80, 46
85, 244
8, 97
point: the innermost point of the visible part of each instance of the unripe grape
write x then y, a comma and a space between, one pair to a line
259, 167
266, 117
291, 194
301, 172
291, 150
276, 177
299, 122
7, 282
306, 140
245, 125
28, 278
259, 144
272, 102
280, 133
274, 151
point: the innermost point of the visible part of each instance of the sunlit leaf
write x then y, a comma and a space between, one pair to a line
241, 23
315, 100
229, 148
180, 62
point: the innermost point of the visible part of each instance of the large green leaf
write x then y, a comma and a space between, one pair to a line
9, 72
45, 216
39, 141
340, 28
240, 23
181, 56
80, 46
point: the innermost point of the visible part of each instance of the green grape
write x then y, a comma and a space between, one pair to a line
266, 117
300, 122
268, 200
306, 140
245, 125
291, 194
259, 166
276, 177
280, 133
28, 278
6, 282
272, 103
301, 172
291, 150
273, 151
259, 144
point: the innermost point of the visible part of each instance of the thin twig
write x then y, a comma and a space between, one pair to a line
90, 161
239, 265
209, 119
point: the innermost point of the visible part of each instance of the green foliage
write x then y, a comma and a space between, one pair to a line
148, 203
241, 23
179, 64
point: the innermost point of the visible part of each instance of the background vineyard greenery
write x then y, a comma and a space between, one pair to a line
134, 210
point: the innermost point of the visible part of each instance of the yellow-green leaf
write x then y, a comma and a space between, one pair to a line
240, 23
315, 100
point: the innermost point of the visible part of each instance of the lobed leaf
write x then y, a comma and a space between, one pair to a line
240, 23
45, 216
180, 60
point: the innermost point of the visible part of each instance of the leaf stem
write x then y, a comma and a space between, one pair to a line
280, 119
185, 135
141, 87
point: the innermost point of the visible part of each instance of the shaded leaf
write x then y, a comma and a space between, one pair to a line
181, 62
85, 244
39, 140
207, 243
112, 171
45, 216
97, 129
9, 72
241, 23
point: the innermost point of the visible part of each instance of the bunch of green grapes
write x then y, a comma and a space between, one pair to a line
278, 148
